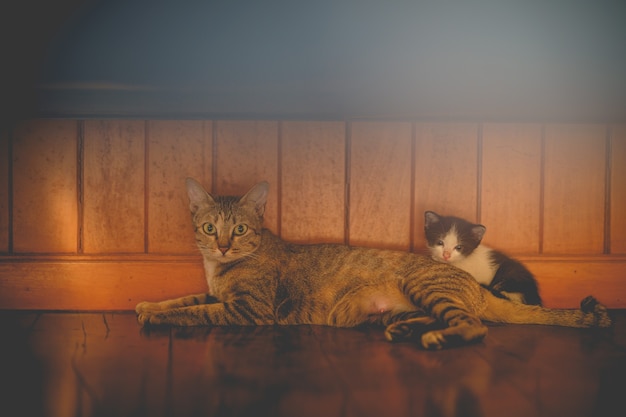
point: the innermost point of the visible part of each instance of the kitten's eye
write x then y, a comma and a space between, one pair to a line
240, 229
209, 229
458, 247
440, 243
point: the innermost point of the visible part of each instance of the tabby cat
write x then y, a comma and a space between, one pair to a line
255, 278
457, 241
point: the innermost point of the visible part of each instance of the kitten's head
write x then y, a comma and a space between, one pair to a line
227, 228
451, 239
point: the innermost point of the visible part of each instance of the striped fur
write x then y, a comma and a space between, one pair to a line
256, 278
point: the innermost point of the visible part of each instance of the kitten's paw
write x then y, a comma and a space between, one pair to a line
600, 313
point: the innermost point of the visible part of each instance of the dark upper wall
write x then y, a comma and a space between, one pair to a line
536, 60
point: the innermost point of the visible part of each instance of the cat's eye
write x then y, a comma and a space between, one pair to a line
240, 229
440, 243
209, 228
458, 247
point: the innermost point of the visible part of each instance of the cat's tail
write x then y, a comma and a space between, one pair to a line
591, 313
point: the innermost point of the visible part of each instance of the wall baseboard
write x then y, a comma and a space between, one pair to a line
119, 282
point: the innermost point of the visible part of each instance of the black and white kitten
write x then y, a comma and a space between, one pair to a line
456, 241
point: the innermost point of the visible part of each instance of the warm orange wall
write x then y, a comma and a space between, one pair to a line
93, 214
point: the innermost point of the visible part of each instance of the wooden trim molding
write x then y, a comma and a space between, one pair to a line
113, 283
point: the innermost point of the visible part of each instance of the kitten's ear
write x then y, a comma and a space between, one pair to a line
479, 231
257, 197
430, 217
197, 195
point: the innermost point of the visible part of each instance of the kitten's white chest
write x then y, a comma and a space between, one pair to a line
479, 265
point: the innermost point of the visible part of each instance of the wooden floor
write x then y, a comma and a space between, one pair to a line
102, 364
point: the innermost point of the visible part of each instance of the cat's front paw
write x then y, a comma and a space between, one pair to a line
145, 310
151, 318
146, 307
143, 318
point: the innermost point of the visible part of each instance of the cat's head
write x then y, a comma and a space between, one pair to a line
227, 228
451, 239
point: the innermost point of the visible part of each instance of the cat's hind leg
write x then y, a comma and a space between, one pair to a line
457, 328
451, 300
591, 313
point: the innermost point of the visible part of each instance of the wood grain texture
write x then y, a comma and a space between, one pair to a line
114, 181
4, 189
84, 359
564, 283
618, 190
247, 153
45, 207
511, 186
177, 150
101, 364
97, 285
446, 172
574, 190
380, 184
313, 181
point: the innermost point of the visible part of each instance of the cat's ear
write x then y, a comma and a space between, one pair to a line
430, 217
257, 197
479, 231
197, 195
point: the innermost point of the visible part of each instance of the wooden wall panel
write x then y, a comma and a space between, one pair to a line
618, 190
114, 194
97, 285
45, 214
511, 186
247, 153
380, 184
574, 190
563, 283
446, 172
313, 181
112, 190
4, 189
177, 150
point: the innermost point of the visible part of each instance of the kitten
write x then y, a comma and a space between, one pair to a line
456, 241
256, 278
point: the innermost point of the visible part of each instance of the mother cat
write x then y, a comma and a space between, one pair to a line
255, 278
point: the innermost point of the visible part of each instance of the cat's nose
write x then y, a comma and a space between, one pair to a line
446, 255
224, 249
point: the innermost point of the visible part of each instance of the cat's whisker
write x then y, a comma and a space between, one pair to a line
251, 256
